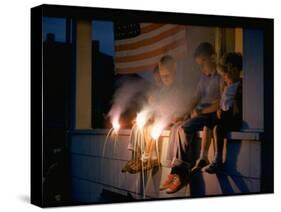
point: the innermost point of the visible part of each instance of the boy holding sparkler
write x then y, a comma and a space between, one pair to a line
203, 111
149, 158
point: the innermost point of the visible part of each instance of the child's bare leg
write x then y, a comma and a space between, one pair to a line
216, 165
218, 139
205, 143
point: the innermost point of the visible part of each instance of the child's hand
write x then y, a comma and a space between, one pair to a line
186, 116
176, 120
194, 114
219, 111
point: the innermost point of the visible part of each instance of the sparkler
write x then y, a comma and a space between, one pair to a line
112, 134
138, 130
157, 130
115, 125
138, 133
155, 134
141, 120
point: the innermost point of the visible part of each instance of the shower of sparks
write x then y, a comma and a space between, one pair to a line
137, 133
141, 120
155, 134
112, 135
156, 131
115, 125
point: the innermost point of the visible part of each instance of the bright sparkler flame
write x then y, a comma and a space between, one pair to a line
156, 131
115, 125
141, 119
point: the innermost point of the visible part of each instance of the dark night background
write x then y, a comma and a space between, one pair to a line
57, 48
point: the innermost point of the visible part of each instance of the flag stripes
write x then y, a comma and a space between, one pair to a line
143, 52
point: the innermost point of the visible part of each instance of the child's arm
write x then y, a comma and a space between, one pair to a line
191, 111
219, 112
196, 99
212, 108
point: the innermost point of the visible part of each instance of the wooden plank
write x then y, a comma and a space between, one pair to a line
105, 171
234, 135
203, 185
108, 173
243, 157
123, 132
242, 165
96, 145
256, 136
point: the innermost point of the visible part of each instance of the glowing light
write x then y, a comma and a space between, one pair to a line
156, 131
141, 119
115, 125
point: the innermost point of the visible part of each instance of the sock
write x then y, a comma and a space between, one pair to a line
218, 157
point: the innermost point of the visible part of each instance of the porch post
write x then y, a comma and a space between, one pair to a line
83, 74
253, 95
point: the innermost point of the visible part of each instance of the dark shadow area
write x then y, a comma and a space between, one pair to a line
110, 196
230, 170
225, 185
152, 178
232, 154
197, 185
56, 95
102, 85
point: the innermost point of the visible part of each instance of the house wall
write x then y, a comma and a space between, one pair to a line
188, 71
97, 165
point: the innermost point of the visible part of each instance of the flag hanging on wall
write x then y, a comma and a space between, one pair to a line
139, 47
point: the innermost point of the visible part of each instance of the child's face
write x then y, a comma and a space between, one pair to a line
225, 76
207, 64
157, 78
167, 74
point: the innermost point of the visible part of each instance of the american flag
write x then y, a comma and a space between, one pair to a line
139, 47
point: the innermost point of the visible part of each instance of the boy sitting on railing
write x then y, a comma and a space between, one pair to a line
144, 156
204, 106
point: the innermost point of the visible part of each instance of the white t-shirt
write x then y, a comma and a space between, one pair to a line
228, 96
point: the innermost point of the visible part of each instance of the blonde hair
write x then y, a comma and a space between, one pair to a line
166, 60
